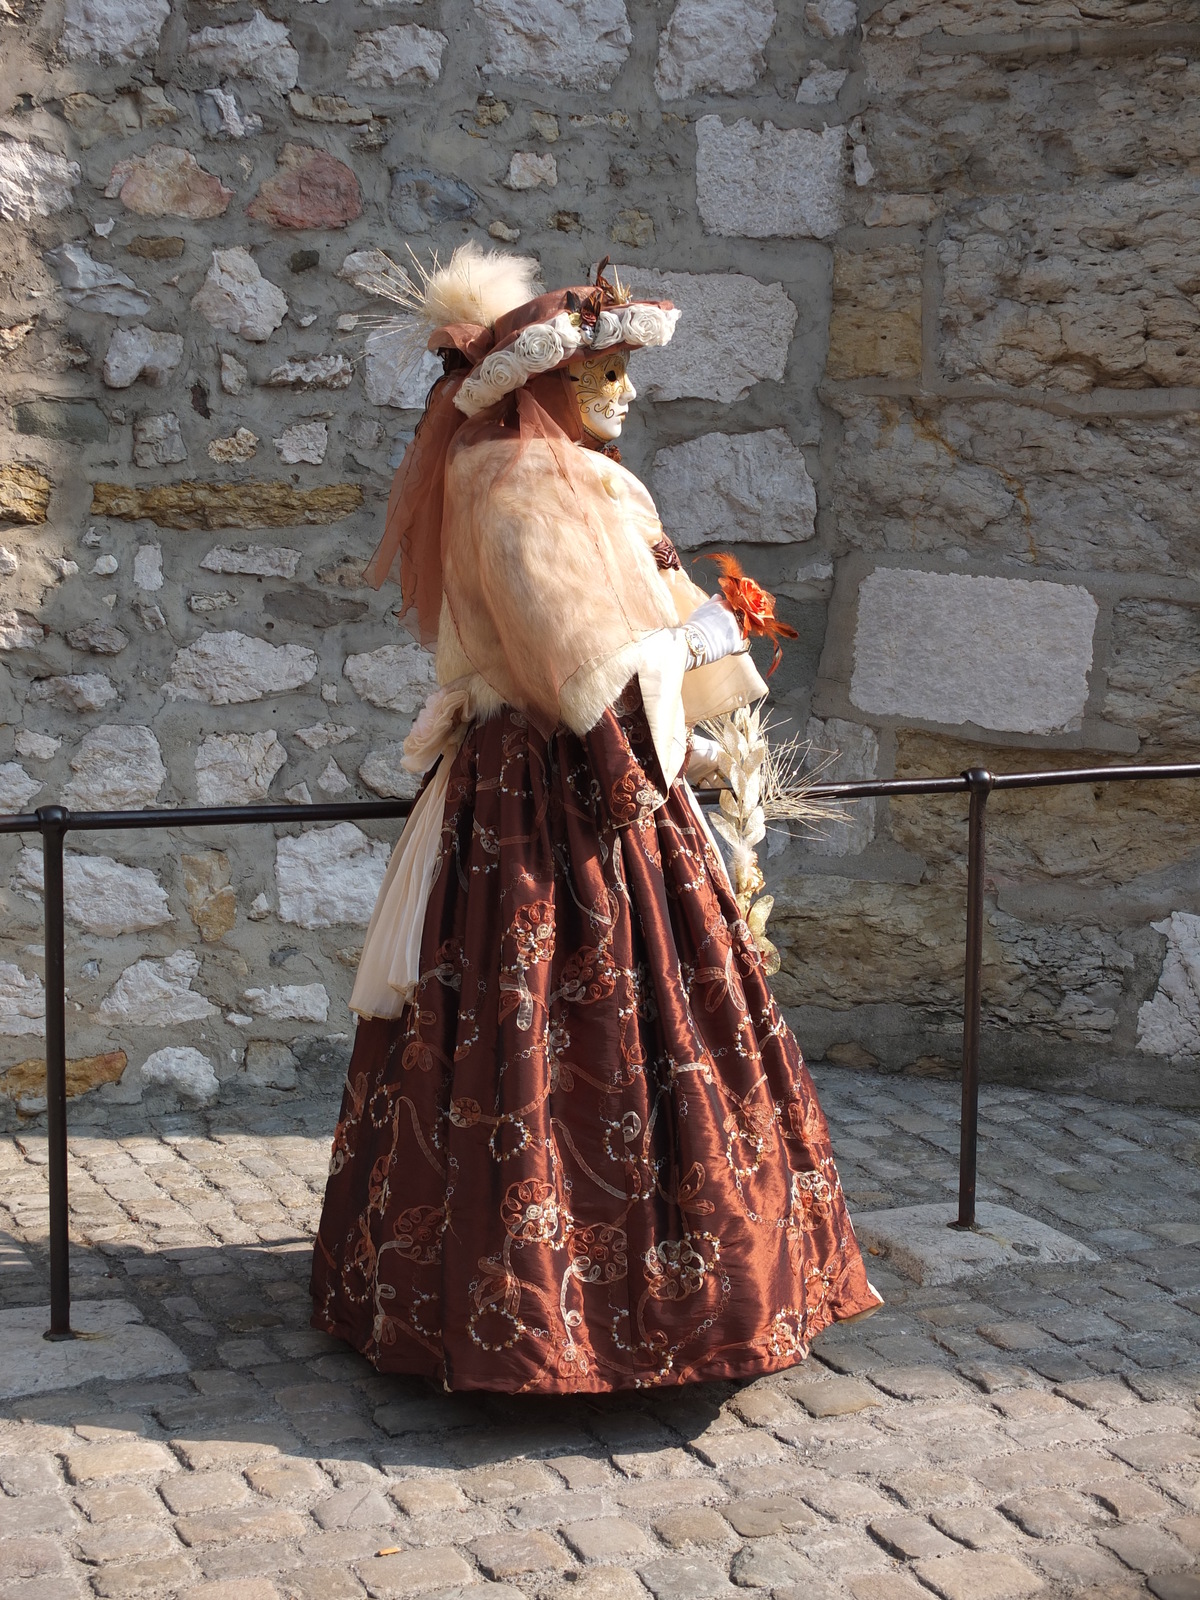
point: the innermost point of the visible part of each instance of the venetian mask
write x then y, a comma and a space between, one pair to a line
603, 391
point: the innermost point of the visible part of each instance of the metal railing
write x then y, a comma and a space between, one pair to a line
53, 823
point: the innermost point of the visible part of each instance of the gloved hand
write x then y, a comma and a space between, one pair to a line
704, 763
712, 632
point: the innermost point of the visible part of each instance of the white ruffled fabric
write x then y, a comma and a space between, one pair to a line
391, 960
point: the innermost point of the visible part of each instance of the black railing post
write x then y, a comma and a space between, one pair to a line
52, 824
979, 782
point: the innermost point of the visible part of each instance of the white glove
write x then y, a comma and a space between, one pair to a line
704, 765
712, 632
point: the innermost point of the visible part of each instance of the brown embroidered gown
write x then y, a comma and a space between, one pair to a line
588, 1156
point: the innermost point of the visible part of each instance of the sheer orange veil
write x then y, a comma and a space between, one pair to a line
410, 552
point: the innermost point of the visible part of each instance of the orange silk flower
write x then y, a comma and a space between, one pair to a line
752, 605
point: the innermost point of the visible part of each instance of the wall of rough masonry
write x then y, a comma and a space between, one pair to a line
937, 382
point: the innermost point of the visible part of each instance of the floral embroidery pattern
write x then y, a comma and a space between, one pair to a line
589, 1156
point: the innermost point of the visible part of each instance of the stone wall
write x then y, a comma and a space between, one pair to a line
937, 382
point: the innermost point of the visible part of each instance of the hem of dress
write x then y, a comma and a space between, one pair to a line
755, 1364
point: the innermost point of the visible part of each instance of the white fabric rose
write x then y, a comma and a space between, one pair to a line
567, 332
538, 347
608, 331
500, 372
648, 325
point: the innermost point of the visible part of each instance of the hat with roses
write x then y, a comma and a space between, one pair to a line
485, 311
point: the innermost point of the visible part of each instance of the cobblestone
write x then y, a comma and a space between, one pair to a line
897, 1462
698, 1525
978, 1577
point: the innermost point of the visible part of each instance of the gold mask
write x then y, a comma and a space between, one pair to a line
603, 392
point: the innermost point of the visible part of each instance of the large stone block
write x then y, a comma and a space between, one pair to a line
185, 1072
396, 677
167, 182
311, 189
1154, 670
117, 768
303, 441
1169, 1022
847, 943
237, 298
329, 875
995, 652
832, 19
1107, 833
403, 54
576, 44
232, 668
1090, 287
384, 773
102, 895
968, 125
157, 994
112, 30
841, 752
420, 199
226, 505
24, 495
98, 638
237, 769
212, 903
394, 376
19, 631
875, 329
765, 182
16, 786
22, 1002
909, 19
253, 560
157, 441
34, 182
289, 1002
26, 1082
78, 421
333, 371
259, 49
135, 353
712, 44
95, 286
74, 691
733, 332
1112, 494
744, 487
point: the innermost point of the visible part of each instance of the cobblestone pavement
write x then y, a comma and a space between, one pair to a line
1037, 1433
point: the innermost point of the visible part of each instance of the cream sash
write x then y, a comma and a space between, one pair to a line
391, 959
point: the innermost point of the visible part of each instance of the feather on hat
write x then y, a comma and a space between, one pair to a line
490, 306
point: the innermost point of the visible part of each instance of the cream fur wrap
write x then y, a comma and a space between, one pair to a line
531, 619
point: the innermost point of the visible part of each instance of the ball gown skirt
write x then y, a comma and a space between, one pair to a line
588, 1156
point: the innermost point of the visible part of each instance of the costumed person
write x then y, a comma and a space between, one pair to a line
578, 1150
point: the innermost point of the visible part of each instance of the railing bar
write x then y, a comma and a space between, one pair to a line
390, 810
51, 824
1047, 780
886, 786
980, 782
21, 824
235, 816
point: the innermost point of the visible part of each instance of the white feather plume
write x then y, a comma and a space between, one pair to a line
478, 285
475, 285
